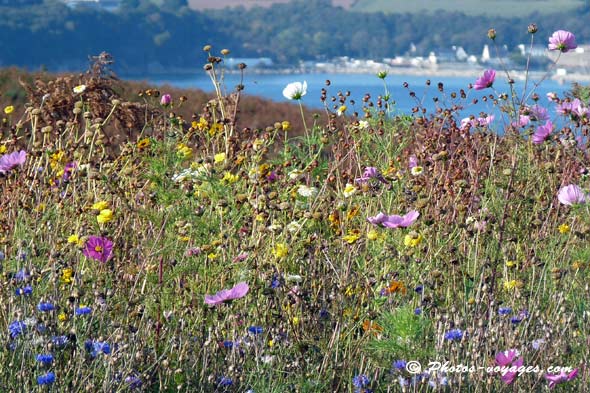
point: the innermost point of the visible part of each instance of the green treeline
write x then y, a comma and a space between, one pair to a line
151, 36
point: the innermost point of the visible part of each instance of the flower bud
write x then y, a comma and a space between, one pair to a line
492, 34
207, 48
532, 28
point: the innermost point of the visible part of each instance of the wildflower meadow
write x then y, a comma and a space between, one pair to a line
356, 250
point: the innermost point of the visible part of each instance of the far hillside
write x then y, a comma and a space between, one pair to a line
220, 4
470, 7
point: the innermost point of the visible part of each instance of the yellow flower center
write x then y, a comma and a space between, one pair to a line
98, 248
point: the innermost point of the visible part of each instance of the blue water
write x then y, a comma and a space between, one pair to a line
270, 86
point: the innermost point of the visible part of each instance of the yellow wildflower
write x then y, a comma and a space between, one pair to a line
215, 129
257, 144
350, 291
372, 235
229, 177
101, 205
40, 208
143, 143
295, 321
211, 256
352, 213
271, 343
184, 238
286, 125
219, 158
201, 125
341, 110
104, 216
62, 317
183, 151
73, 239
510, 263
564, 228
349, 190
3, 149
513, 284
66, 275
413, 239
281, 250
9, 109
352, 236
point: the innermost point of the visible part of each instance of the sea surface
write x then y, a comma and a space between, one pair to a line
271, 86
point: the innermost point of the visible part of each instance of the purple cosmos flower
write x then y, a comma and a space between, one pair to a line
487, 80
12, 160
166, 99
394, 221
542, 133
509, 360
564, 107
522, 121
571, 194
578, 108
562, 377
485, 121
238, 291
98, 248
562, 41
370, 173
413, 162
537, 112
68, 170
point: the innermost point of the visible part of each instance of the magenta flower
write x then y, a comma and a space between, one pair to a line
537, 112
542, 132
370, 173
523, 120
98, 248
238, 291
12, 160
562, 377
562, 41
571, 194
510, 364
487, 80
394, 221
166, 99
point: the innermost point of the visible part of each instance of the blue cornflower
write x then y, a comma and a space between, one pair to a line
361, 381
83, 310
59, 341
225, 381
45, 358
504, 310
45, 307
96, 347
275, 283
46, 379
26, 291
399, 364
454, 334
324, 314
21, 275
419, 289
228, 344
2, 256
418, 311
16, 328
255, 329
133, 381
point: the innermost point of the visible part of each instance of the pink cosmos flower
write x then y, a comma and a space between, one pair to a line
370, 173
537, 112
238, 291
12, 160
560, 378
98, 248
571, 194
508, 360
523, 120
542, 133
487, 80
166, 99
394, 221
562, 41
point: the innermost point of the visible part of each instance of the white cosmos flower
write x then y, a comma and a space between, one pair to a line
363, 124
79, 89
307, 192
349, 190
295, 90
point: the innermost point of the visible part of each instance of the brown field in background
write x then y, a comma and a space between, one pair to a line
208, 4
